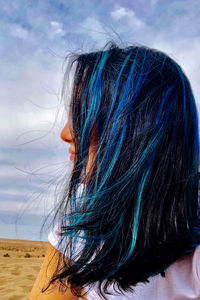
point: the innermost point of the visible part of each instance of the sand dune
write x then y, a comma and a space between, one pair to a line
20, 262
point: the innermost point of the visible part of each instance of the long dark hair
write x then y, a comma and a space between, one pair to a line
137, 214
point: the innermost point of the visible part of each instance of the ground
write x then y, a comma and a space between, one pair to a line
20, 262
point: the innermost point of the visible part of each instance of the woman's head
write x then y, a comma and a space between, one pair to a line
130, 95
138, 210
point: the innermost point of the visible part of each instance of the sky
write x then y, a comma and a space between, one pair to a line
35, 37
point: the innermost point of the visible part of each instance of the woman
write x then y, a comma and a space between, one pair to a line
128, 223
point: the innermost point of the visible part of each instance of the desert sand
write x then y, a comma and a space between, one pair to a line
20, 262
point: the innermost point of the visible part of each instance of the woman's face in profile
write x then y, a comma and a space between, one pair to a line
66, 136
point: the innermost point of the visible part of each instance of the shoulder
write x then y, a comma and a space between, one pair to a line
187, 265
196, 263
44, 276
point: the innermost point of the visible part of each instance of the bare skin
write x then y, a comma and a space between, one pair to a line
66, 136
47, 269
49, 264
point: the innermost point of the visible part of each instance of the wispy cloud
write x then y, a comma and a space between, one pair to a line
93, 28
19, 32
121, 13
56, 29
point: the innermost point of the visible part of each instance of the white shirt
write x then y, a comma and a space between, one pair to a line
181, 281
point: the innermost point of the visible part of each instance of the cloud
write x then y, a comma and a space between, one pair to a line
14, 206
128, 15
18, 207
19, 32
7, 171
13, 192
95, 29
30, 95
56, 29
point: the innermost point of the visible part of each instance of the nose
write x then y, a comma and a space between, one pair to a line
66, 134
